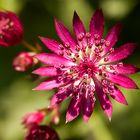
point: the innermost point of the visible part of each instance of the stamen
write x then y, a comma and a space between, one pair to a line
73, 59
96, 36
58, 70
97, 42
61, 47
115, 72
96, 50
111, 67
100, 48
77, 55
81, 36
62, 66
67, 45
106, 59
107, 43
111, 50
105, 75
104, 82
120, 64
88, 35
105, 89
103, 67
60, 78
61, 53
77, 47
102, 41
68, 52
90, 45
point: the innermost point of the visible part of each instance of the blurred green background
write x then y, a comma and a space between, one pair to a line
16, 95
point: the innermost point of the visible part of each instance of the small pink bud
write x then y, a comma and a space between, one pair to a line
11, 29
33, 118
41, 132
23, 61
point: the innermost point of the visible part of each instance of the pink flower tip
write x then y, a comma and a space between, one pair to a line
110, 119
23, 61
33, 118
86, 119
41, 132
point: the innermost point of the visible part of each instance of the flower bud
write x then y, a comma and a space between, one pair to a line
23, 61
11, 29
41, 132
33, 118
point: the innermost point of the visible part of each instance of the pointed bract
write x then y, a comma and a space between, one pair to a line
121, 52
103, 99
78, 26
113, 36
118, 96
48, 85
73, 109
122, 80
46, 71
53, 59
126, 69
64, 34
97, 23
59, 97
88, 106
51, 44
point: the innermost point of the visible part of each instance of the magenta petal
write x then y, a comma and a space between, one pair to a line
64, 34
113, 36
88, 106
51, 44
78, 25
59, 97
48, 85
126, 69
97, 23
46, 71
122, 52
73, 109
118, 96
103, 99
53, 59
122, 80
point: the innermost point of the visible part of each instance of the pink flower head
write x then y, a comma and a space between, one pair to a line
33, 118
11, 29
86, 66
41, 132
23, 61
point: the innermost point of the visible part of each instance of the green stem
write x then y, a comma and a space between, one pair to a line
28, 46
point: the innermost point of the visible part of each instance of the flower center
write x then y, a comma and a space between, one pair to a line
90, 59
88, 67
5, 25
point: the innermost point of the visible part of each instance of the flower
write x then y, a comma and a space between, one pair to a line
33, 118
41, 132
86, 67
11, 29
23, 61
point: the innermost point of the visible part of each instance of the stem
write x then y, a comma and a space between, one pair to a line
28, 46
